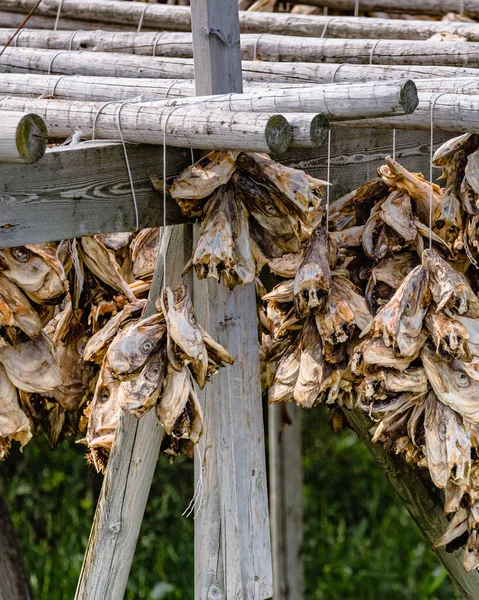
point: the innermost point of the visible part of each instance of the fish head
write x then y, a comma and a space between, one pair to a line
183, 327
37, 271
132, 347
139, 394
104, 411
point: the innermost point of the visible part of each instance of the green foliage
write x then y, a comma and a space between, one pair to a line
359, 541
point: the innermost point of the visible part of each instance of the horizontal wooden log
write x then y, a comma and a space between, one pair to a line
84, 189
260, 46
105, 64
337, 101
23, 137
177, 18
422, 502
187, 127
14, 20
452, 112
425, 7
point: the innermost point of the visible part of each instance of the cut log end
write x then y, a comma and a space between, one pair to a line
319, 129
409, 97
278, 134
23, 137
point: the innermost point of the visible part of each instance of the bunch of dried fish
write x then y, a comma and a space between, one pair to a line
252, 208
148, 362
379, 311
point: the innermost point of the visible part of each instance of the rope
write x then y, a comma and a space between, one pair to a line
49, 72
145, 8
372, 51
328, 176
155, 43
60, 5
325, 29
255, 49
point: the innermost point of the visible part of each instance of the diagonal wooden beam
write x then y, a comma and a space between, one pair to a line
422, 501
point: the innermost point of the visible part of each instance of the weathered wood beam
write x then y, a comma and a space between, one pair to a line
426, 7
232, 540
23, 137
106, 64
452, 112
131, 465
82, 190
421, 500
286, 501
187, 127
262, 47
14, 20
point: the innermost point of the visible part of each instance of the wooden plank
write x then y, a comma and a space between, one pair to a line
14, 583
422, 501
232, 541
81, 190
286, 502
130, 469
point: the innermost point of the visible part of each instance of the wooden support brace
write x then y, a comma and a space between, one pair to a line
421, 500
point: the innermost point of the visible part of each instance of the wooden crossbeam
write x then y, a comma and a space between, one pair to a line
81, 190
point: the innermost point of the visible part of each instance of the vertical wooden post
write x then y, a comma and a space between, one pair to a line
286, 502
125, 489
232, 541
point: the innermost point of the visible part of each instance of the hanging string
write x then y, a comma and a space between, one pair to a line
394, 144
356, 8
127, 160
155, 43
328, 176
49, 71
60, 4
255, 49
142, 16
372, 51
198, 494
462, 8
325, 29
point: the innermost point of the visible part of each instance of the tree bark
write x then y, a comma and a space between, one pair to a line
14, 582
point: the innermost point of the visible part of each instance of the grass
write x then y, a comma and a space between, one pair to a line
359, 541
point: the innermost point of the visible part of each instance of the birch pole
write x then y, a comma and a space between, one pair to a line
232, 541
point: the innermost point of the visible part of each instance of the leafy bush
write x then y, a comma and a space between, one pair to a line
359, 541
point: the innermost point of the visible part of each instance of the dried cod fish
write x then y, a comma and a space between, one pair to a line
144, 252
313, 279
286, 376
400, 321
141, 393
14, 425
36, 270
102, 263
201, 179
223, 248
132, 347
31, 365
387, 276
449, 335
16, 310
313, 369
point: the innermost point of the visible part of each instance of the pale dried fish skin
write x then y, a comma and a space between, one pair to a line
313, 279
16, 310
131, 348
396, 211
144, 252
286, 376
31, 365
313, 369
14, 424
448, 335
105, 412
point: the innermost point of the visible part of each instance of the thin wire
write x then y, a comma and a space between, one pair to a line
255, 49
49, 72
328, 176
356, 8
462, 8
56, 83
59, 11
142, 17
325, 29
70, 43
336, 71
372, 51
394, 144
155, 43
20, 27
